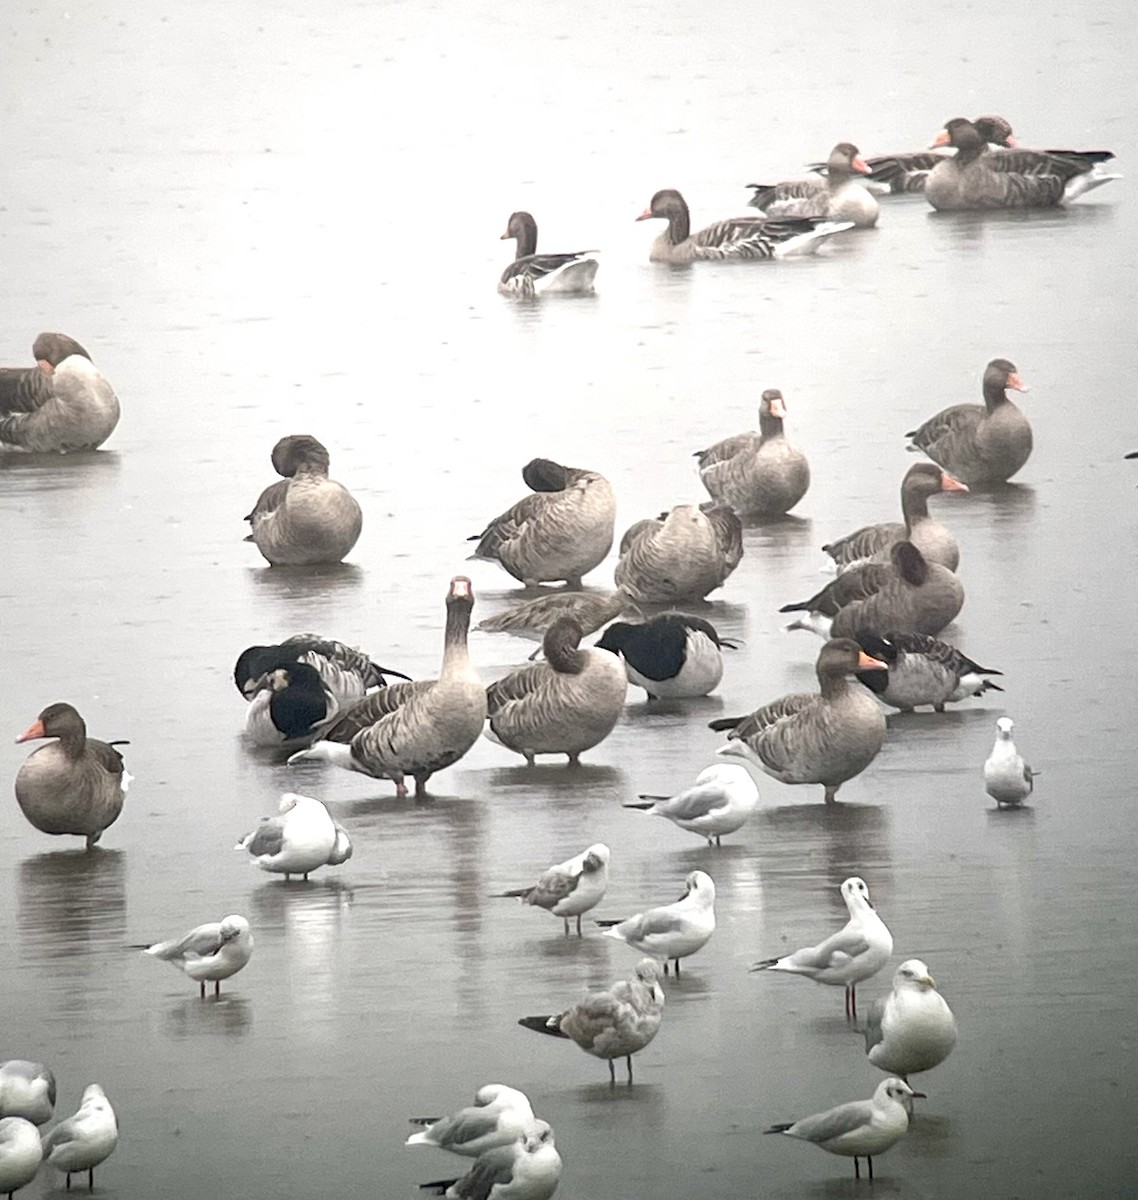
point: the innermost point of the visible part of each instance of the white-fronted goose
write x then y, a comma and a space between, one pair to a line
208, 953
922, 670
739, 238
680, 555
932, 539
671, 931
498, 1116
299, 839
912, 1029
560, 532
720, 801
839, 196
533, 619
1007, 778
62, 404
84, 1140
21, 1153
532, 274
564, 705
825, 737
980, 444
305, 518
760, 475
671, 656
27, 1089
570, 888
415, 728
75, 785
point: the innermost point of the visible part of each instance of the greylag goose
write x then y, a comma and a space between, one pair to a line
532, 274
912, 1029
1007, 778
736, 238
85, 1140
680, 555
570, 888
839, 196
932, 539
825, 737
27, 1089
560, 532
498, 1116
21, 1153
301, 838
75, 785
980, 444
306, 517
565, 705
671, 656
922, 670
905, 595
757, 474
62, 404
414, 728
528, 1168
720, 801
208, 953
672, 931
591, 610
614, 1023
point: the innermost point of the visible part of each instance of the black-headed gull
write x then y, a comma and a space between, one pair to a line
27, 1089
527, 1169
208, 953
672, 931
302, 838
720, 801
85, 1140
498, 1116
570, 888
913, 1028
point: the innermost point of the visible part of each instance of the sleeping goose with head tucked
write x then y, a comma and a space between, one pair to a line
680, 555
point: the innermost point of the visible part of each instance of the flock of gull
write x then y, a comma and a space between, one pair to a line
318, 700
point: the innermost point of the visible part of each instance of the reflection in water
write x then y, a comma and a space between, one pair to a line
214, 1016
290, 583
583, 781
70, 901
826, 842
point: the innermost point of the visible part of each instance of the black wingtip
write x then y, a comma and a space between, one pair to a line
723, 723
802, 606
542, 1025
779, 1128
439, 1186
989, 686
423, 1120
608, 924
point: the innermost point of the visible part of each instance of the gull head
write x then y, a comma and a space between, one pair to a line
501, 1095
914, 974
898, 1090
1004, 727
232, 927
855, 892
539, 1134
648, 971
700, 885
596, 857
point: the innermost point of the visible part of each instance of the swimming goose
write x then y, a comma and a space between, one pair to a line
912, 1029
838, 196
825, 737
760, 475
528, 1168
736, 238
980, 444
904, 595
301, 838
497, 1117
533, 619
570, 888
85, 1140
922, 670
670, 656
561, 531
680, 555
564, 705
21, 1153
671, 931
62, 404
720, 801
305, 518
532, 274
414, 728
27, 1089
1007, 778
932, 539
75, 785
208, 953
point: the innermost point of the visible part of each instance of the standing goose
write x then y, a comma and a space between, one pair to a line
761, 474
1007, 778
532, 274
560, 532
680, 555
931, 538
980, 444
825, 737
736, 238
671, 656
305, 518
414, 728
839, 196
62, 404
564, 705
75, 785
922, 670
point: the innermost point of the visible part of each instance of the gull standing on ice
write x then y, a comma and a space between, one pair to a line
1007, 778
498, 1117
527, 1169
672, 931
720, 801
208, 953
298, 841
570, 888
912, 1029
85, 1140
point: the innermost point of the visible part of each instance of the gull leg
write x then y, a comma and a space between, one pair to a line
217, 987
565, 921
305, 877
91, 1179
857, 1169
612, 1072
677, 968
201, 989
869, 1163
628, 1059
69, 1181
853, 1001
579, 933
665, 968
717, 841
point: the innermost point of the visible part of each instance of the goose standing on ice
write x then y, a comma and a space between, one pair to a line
680, 555
1007, 778
532, 274
839, 196
671, 656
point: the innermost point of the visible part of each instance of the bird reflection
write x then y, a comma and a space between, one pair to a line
226, 1015
30, 473
70, 900
588, 779
853, 838
286, 583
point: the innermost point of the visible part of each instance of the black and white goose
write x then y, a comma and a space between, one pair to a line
347, 671
532, 274
671, 656
922, 670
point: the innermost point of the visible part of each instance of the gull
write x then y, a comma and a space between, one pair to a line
611, 1024
861, 1128
570, 888
1007, 778
298, 841
498, 1117
858, 950
85, 1140
210, 952
672, 931
527, 1169
20, 1154
912, 1029
27, 1089
720, 801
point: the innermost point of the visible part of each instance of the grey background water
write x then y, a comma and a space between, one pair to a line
270, 219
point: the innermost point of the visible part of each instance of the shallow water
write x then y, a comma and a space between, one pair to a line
267, 222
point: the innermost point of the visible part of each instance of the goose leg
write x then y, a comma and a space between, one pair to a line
201, 989
566, 922
869, 1163
217, 987
400, 786
831, 796
421, 792
579, 933
574, 760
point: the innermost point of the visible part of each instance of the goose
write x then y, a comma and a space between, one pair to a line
932, 539
617, 1022
671, 656
922, 670
591, 610
532, 274
1007, 778
75, 785
761, 474
86, 1139
61, 405
208, 953
346, 671
497, 1117
720, 801
671, 931
736, 238
560, 532
21, 1153
305, 518
980, 444
570, 888
292, 705
825, 737
912, 1029
838, 196
27, 1089
301, 838
905, 595
414, 728
565, 705
680, 555
528, 1168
